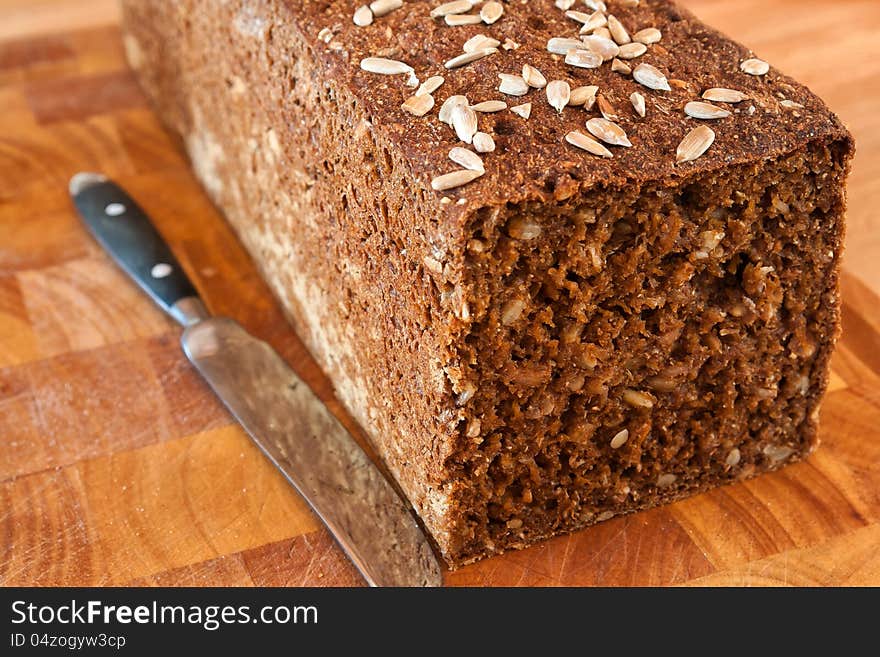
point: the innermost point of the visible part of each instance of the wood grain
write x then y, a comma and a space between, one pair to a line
118, 466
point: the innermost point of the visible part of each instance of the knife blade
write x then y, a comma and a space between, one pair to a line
285, 419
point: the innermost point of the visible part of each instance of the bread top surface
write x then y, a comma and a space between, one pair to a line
532, 161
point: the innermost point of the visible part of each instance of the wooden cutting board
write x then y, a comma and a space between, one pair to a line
118, 467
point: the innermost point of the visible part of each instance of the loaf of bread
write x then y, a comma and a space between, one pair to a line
561, 260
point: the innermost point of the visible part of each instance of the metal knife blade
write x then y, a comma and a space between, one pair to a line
291, 426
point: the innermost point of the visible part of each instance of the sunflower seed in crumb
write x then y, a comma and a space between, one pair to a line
605, 48
511, 311
512, 85
468, 159
446, 108
606, 109
695, 143
648, 36
618, 31
455, 20
430, 85
382, 7
620, 439
583, 59
489, 106
454, 179
479, 42
651, 77
561, 45
632, 50
610, 133
524, 110
583, 95
454, 7
385, 66
666, 480
722, 95
418, 105
491, 12
621, 67
558, 94
483, 143
733, 457
755, 67
605, 515
464, 122
468, 57
638, 103
700, 110
533, 77
363, 16
587, 143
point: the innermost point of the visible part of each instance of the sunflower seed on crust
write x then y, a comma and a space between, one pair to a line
524, 110
606, 109
446, 108
583, 96
609, 132
583, 59
618, 31
638, 103
466, 158
418, 105
722, 95
384, 66
491, 12
483, 143
363, 16
605, 48
621, 67
558, 94
468, 57
464, 122
456, 20
651, 77
382, 7
695, 143
699, 110
430, 85
479, 42
454, 7
489, 106
648, 36
755, 66
454, 179
579, 16
587, 143
632, 50
594, 22
512, 85
561, 45
533, 77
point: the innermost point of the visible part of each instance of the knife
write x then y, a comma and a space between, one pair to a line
289, 424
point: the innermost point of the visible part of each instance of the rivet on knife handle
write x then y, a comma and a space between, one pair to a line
280, 413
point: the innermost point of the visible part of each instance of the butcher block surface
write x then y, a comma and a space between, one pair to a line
118, 466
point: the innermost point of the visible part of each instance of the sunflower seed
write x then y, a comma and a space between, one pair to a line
533, 77
666, 480
594, 22
446, 108
583, 59
632, 50
488, 106
558, 94
382, 7
385, 66
733, 457
620, 439
491, 12
651, 77
564, 5
700, 110
363, 16
455, 20
755, 67
618, 31
790, 104
579, 16
621, 67
512, 85
468, 159
454, 7
609, 132
606, 109
583, 96
561, 45
596, 5
418, 105
648, 36
722, 95
479, 42
464, 121
483, 143
603, 47
695, 143
454, 179
587, 143
468, 57
510, 44
637, 399
430, 85
638, 103
603, 32
524, 110
628, 3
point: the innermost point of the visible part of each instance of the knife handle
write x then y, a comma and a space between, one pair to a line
127, 234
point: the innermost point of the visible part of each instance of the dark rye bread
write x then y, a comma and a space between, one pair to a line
499, 341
